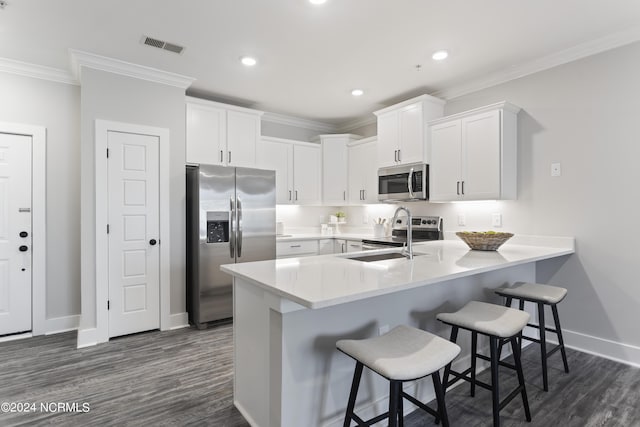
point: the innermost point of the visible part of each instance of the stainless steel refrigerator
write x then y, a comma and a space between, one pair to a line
231, 217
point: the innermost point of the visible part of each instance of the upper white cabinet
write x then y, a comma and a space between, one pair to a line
335, 164
473, 155
297, 166
363, 171
401, 130
221, 134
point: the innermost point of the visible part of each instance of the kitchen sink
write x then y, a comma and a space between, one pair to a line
381, 257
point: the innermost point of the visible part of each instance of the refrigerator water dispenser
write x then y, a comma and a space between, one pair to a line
217, 227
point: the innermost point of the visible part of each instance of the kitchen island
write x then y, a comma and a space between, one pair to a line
289, 313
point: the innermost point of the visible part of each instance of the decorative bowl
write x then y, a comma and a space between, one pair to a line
484, 240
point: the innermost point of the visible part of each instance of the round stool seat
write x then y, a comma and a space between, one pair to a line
534, 291
489, 319
402, 354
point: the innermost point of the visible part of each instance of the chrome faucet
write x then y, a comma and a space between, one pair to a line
409, 247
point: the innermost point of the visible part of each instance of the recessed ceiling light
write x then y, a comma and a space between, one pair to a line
440, 55
248, 61
357, 92
317, 1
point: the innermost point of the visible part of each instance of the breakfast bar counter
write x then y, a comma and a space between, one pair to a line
289, 313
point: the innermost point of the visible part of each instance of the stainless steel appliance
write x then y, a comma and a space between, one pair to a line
424, 228
231, 217
403, 183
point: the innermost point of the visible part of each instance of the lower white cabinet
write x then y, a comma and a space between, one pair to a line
342, 246
325, 246
296, 248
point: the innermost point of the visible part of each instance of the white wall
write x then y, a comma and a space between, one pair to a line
54, 106
113, 97
278, 130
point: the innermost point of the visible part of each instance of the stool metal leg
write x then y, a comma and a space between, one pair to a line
442, 409
400, 406
474, 352
394, 394
454, 338
556, 319
517, 352
495, 394
543, 346
354, 392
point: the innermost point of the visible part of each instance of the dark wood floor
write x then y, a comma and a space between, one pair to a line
184, 377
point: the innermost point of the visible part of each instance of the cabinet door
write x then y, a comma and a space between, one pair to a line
339, 246
388, 133
278, 157
411, 138
243, 132
357, 168
354, 246
206, 133
334, 172
369, 172
325, 246
481, 156
444, 169
306, 175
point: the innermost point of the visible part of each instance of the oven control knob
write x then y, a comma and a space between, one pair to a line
426, 222
398, 221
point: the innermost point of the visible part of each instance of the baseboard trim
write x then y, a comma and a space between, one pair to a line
245, 414
16, 337
608, 349
58, 325
87, 337
178, 321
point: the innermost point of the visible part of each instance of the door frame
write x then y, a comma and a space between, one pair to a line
102, 127
38, 136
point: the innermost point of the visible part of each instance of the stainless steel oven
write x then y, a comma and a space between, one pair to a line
403, 183
424, 228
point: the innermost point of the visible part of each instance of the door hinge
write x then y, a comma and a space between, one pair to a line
107, 153
107, 228
108, 304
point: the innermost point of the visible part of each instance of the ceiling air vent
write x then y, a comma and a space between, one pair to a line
150, 41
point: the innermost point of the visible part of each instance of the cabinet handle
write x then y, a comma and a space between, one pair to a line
229, 156
463, 188
221, 156
458, 188
295, 246
344, 195
395, 155
296, 195
364, 194
289, 195
399, 156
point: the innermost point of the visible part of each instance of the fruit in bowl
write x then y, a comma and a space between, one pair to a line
484, 240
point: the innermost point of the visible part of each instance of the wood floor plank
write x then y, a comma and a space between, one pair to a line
185, 378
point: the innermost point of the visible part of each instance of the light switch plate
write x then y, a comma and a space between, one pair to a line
556, 169
462, 220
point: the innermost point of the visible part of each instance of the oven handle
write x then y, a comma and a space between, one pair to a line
410, 183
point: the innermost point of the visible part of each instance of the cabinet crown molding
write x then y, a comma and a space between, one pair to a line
421, 98
206, 102
504, 105
35, 71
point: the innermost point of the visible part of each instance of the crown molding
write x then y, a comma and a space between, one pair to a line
350, 125
571, 54
283, 119
35, 71
81, 59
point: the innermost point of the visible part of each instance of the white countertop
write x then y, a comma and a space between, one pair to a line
327, 280
317, 236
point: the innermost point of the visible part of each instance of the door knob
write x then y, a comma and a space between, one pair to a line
23, 248
24, 234
152, 242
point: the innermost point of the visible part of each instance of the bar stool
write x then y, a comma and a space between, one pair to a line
496, 322
541, 295
402, 354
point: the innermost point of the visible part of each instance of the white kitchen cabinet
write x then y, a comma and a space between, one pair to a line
296, 248
401, 130
221, 134
325, 246
363, 171
473, 155
342, 246
297, 166
335, 172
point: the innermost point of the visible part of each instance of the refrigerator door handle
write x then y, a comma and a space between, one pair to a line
232, 234
239, 206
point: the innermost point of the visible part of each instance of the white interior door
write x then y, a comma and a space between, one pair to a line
15, 233
134, 228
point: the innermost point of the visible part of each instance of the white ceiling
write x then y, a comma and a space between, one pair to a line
310, 57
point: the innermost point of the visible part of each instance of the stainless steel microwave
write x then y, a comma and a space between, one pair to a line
403, 183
